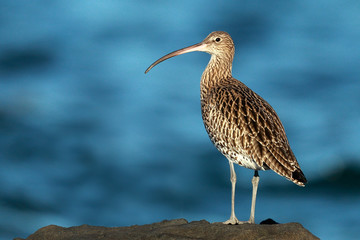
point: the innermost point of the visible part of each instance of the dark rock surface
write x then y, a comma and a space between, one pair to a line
175, 229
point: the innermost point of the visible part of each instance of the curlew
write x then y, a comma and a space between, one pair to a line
240, 123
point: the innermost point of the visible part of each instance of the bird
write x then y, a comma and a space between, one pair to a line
240, 123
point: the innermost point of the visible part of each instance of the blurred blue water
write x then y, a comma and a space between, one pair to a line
87, 138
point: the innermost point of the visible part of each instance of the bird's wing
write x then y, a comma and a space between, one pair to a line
262, 135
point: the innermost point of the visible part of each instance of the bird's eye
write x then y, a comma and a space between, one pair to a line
218, 39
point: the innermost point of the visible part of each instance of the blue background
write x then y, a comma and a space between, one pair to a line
87, 138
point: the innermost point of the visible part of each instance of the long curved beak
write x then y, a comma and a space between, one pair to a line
196, 47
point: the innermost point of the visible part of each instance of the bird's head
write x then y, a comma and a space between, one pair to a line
219, 44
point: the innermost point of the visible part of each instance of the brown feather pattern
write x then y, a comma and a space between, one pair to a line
240, 123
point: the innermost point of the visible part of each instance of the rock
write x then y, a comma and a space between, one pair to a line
175, 229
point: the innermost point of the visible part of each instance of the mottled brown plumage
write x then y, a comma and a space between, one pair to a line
240, 123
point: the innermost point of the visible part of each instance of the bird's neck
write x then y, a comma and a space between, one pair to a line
217, 70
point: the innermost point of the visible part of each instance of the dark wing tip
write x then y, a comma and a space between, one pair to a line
299, 177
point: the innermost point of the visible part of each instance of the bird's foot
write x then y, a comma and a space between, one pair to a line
235, 221
232, 221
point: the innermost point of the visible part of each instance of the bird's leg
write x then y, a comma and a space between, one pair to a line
233, 219
255, 183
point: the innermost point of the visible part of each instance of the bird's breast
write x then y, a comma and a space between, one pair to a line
226, 136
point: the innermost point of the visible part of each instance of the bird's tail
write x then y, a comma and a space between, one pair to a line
298, 177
